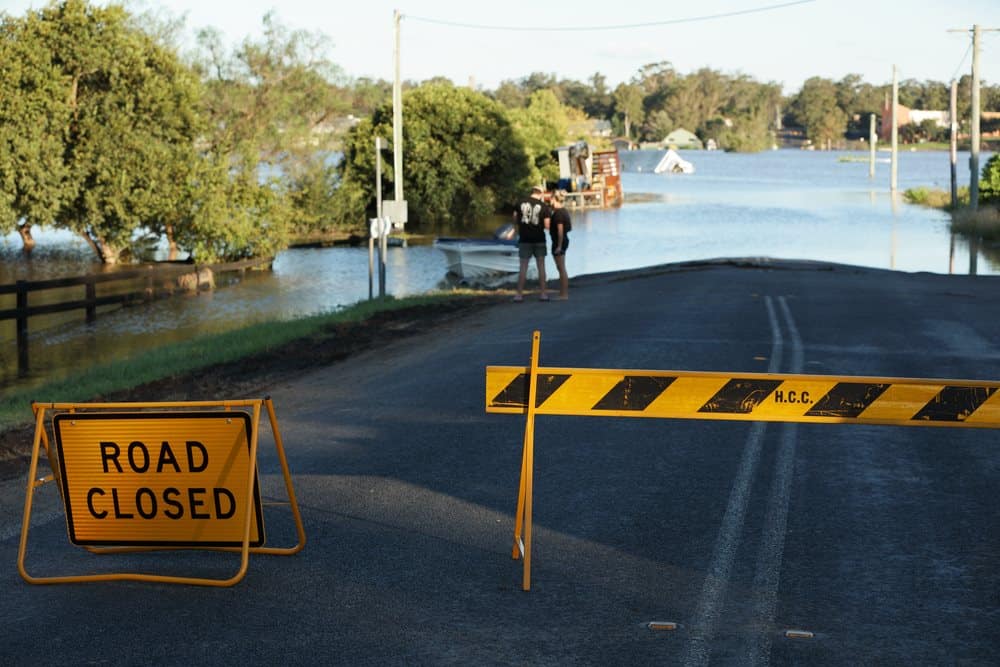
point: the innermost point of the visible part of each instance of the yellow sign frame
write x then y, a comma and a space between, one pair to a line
769, 397
248, 411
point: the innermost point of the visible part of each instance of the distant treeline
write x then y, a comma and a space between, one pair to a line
106, 130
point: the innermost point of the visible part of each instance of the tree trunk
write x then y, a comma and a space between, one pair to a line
27, 240
106, 253
109, 254
171, 243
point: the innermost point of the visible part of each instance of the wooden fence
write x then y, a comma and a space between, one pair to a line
151, 277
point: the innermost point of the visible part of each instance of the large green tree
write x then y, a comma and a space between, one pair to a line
119, 119
462, 159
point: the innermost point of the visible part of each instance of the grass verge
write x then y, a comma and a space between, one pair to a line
190, 356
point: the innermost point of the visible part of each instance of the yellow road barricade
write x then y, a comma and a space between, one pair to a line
773, 397
147, 476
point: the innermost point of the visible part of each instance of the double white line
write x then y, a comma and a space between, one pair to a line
768, 569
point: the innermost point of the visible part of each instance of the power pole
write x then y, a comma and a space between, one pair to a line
974, 133
894, 171
397, 115
872, 139
953, 121
975, 137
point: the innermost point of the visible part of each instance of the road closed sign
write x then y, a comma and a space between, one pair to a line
169, 479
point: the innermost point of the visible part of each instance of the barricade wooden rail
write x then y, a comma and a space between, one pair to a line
91, 301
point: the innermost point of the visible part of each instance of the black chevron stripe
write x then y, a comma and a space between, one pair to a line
633, 392
740, 396
954, 404
515, 394
847, 400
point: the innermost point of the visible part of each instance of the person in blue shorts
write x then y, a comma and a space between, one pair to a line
532, 215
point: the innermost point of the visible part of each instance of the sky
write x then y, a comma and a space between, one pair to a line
782, 41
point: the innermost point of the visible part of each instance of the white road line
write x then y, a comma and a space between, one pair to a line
698, 649
772, 546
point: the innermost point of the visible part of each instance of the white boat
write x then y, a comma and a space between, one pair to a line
483, 258
673, 163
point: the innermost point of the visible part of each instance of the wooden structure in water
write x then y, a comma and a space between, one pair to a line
592, 179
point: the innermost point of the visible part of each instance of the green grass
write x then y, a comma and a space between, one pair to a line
191, 355
935, 197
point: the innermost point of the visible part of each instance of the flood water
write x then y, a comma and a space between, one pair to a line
780, 204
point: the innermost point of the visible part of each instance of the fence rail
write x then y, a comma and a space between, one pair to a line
152, 276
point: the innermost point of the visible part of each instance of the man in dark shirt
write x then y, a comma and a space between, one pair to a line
532, 215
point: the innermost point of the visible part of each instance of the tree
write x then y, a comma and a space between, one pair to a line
747, 116
989, 184
542, 125
658, 125
34, 113
235, 216
859, 100
930, 95
599, 103
366, 94
270, 106
628, 105
123, 121
510, 94
815, 109
463, 159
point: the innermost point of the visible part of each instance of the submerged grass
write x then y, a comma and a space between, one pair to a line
983, 222
936, 197
197, 353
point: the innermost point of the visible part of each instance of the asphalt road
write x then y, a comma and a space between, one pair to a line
881, 542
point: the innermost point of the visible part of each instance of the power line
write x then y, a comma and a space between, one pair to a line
626, 26
962, 61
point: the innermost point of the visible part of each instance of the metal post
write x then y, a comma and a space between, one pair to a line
383, 251
378, 214
149, 293
953, 154
872, 139
91, 298
975, 137
974, 254
894, 171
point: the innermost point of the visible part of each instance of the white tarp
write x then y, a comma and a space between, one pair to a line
673, 163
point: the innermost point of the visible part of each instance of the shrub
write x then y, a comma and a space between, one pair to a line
989, 184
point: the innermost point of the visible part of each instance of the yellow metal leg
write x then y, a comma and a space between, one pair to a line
244, 549
528, 465
29, 493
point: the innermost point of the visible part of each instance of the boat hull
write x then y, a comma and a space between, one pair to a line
480, 258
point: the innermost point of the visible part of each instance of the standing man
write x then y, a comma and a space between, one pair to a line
532, 215
559, 226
